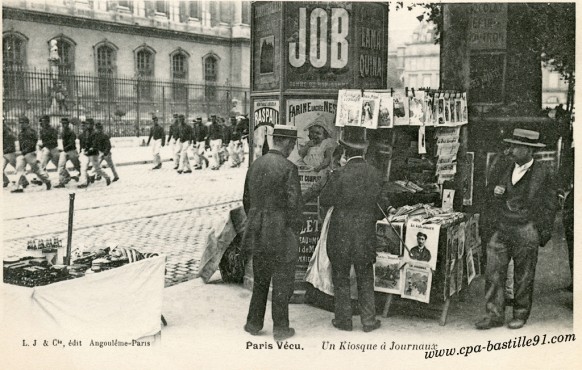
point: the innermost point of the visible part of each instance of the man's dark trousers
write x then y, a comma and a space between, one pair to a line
283, 276
520, 242
341, 291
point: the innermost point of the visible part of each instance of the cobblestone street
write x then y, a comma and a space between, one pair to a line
152, 211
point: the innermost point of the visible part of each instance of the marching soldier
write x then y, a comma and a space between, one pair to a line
69, 153
27, 139
157, 132
9, 147
185, 137
103, 144
50, 143
200, 132
175, 145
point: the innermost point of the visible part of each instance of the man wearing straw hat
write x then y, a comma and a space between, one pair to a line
354, 192
273, 203
526, 209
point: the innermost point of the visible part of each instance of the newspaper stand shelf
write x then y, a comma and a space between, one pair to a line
439, 301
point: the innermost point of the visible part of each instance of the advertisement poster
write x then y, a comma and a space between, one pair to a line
349, 108
400, 108
316, 132
387, 274
423, 242
416, 108
308, 238
266, 46
370, 110
313, 61
265, 117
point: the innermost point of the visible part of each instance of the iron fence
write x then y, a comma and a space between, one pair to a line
124, 105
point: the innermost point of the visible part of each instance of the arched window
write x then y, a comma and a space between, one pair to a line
14, 51
144, 70
13, 66
66, 50
106, 63
179, 61
210, 69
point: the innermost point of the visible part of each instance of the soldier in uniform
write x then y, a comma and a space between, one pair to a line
69, 153
27, 139
185, 137
50, 143
9, 147
157, 132
175, 145
103, 145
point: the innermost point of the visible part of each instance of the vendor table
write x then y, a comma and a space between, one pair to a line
440, 290
123, 303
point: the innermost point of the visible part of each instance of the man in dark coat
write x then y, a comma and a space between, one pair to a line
10, 154
273, 203
69, 153
526, 209
175, 145
354, 192
157, 133
27, 139
50, 143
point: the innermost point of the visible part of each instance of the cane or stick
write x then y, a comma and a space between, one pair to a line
70, 229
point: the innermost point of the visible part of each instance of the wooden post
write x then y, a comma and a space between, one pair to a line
70, 228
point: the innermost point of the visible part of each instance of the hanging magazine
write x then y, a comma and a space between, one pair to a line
349, 108
400, 108
386, 114
416, 108
370, 109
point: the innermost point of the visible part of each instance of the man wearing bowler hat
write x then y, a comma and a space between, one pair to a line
354, 192
273, 203
526, 208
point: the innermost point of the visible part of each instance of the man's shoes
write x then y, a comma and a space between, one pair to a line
516, 323
59, 186
108, 181
488, 323
82, 186
24, 186
189, 171
36, 182
5, 184
48, 185
282, 334
179, 172
176, 167
17, 191
347, 326
197, 167
98, 178
76, 178
374, 326
91, 179
115, 179
157, 167
251, 330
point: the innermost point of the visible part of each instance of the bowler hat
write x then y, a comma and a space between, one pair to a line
285, 131
354, 137
526, 138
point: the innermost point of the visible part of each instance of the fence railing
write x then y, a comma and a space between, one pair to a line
124, 105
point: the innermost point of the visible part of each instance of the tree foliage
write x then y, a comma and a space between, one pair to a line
555, 30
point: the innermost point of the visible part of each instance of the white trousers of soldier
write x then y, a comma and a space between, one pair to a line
84, 159
235, 152
156, 152
28, 159
73, 156
10, 158
215, 146
184, 160
96, 162
47, 155
177, 152
199, 149
109, 160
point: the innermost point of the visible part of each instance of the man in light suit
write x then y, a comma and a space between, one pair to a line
273, 203
354, 192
